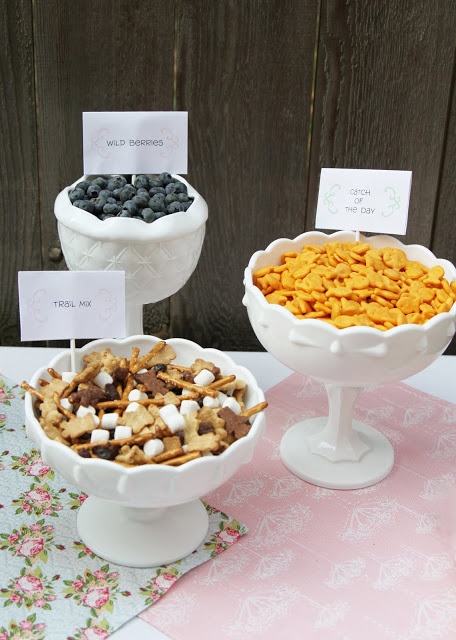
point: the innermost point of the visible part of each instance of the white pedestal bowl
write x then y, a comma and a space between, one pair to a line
151, 514
158, 258
335, 451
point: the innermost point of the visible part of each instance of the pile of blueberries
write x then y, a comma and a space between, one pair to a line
147, 199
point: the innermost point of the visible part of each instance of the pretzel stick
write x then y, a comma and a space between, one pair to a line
68, 415
134, 358
183, 384
141, 363
247, 413
43, 383
54, 374
32, 390
122, 404
175, 462
221, 382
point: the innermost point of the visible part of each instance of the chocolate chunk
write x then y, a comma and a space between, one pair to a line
153, 384
106, 451
111, 392
205, 427
118, 375
239, 426
84, 453
160, 367
85, 397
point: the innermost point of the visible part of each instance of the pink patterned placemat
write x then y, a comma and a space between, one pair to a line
322, 564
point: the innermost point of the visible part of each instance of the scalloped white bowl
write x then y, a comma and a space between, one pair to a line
335, 451
143, 494
355, 356
158, 258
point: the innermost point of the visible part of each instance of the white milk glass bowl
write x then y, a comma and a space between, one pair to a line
147, 515
335, 451
157, 258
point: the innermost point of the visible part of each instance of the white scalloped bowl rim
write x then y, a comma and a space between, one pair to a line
272, 313
65, 460
129, 230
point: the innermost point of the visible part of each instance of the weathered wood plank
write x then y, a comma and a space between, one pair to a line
383, 81
244, 73
20, 246
117, 56
444, 236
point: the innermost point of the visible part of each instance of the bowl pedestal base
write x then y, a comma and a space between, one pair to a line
141, 537
297, 452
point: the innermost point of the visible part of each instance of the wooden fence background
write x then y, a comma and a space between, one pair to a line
275, 90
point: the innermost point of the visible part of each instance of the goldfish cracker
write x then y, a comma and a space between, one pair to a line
355, 284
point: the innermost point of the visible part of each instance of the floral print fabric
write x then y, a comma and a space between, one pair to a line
47, 575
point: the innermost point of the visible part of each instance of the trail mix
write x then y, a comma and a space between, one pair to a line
143, 409
352, 284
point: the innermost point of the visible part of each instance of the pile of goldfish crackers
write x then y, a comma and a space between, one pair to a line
355, 284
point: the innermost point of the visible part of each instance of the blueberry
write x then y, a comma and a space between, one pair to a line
111, 200
174, 207
170, 198
98, 204
165, 178
131, 207
116, 193
155, 183
140, 201
156, 205
86, 205
180, 187
127, 192
93, 190
143, 192
187, 205
148, 214
100, 181
111, 208
155, 190
124, 214
159, 196
83, 185
142, 181
105, 193
76, 194
170, 187
105, 216
182, 197
116, 182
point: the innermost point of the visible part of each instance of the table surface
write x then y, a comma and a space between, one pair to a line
19, 363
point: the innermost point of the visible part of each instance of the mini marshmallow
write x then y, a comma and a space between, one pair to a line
143, 371
153, 447
189, 406
187, 392
136, 394
83, 411
66, 404
221, 397
102, 379
233, 404
109, 420
67, 376
212, 403
132, 406
122, 432
172, 418
204, 378
99, 435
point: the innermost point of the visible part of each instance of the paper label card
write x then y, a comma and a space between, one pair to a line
56, 305
364, 200
135, 142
